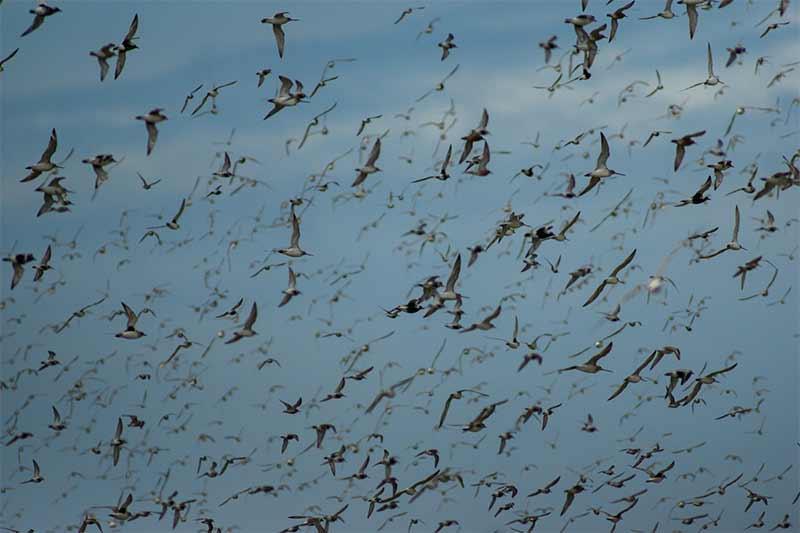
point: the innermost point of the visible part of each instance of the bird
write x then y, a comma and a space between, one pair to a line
486, 323
546, 489
653, 135
262, 75
680, 146
570, 496
130, 332
591, 366
294, 249
479, 166
278, 20
734, 53
733, 245
314, 122
147, 185
548, 46
698, 197
57, 425
457, 395
369, 167
45, 164
666, 13
153, 117
406, 12
364, 123
105, 53
128, 44
18, 262
601, 169
40, 13
475, 135
616, 16
189, 97
291, 291
691, 14
117, 443
447, 45
173, 224
712, 80
286, 98
634, 377
37, 474
247, 328
443, 174
773, 26
44, 264
8, 58
292, 408
658, 476
212, 94
612, 279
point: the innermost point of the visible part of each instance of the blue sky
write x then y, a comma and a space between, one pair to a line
53, 83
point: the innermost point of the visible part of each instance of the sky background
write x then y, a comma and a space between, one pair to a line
53, 83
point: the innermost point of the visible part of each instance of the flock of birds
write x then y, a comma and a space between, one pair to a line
365, 474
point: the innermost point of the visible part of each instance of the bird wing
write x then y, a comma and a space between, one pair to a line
340, 386
703, 188
52, 145
593, 181
666, 469
735, 224
286, 84
152, 136
18, 272
645, 363
122, 55
691, 12
103, 68
375, 153
133, 28
37, 21
295, 240
202, 103
567, 502
484, 123
251, 318
444, 412
467, 150
596, 293
280, 38
446, 162
454, 273
710, 62
619, 390
724, 370
180, 211
604, 352
680, 151
494, 314
571, 223
625, 263
132, 318
9, 57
